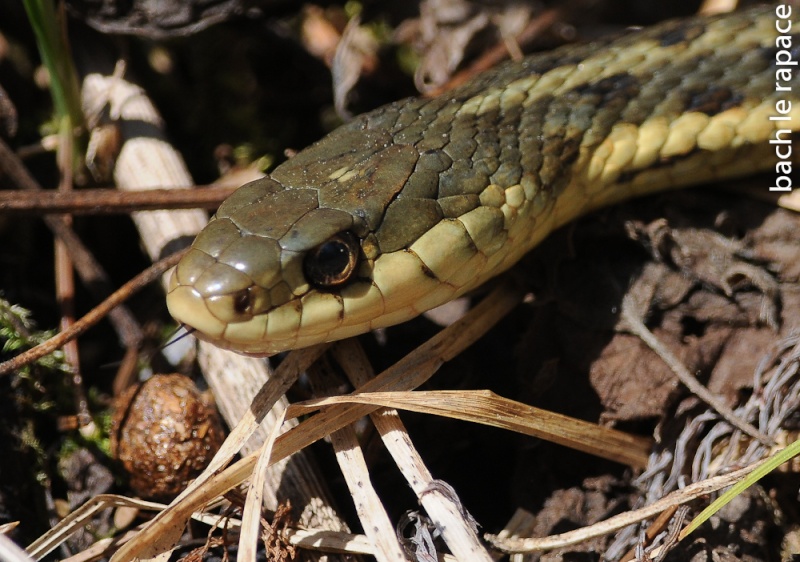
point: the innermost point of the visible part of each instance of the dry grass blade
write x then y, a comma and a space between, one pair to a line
377, 525
329, 541
101, 549
679, 497
485, 407
444, 509
251, 518
84, 515
371, 513
407, 374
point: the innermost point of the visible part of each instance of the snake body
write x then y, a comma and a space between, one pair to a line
420, 201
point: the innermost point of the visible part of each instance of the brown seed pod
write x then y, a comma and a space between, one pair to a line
164, 434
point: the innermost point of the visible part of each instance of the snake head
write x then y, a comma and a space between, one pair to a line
243, 283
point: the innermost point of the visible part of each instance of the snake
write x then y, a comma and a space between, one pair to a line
418, 202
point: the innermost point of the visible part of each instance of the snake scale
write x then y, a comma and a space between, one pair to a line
417, 202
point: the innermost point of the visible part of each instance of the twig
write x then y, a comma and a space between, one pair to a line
656, 527
91, 272
146, 277
679, 497
110, 201
635, 326
65, 277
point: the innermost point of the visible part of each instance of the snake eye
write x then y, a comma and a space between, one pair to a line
333, 262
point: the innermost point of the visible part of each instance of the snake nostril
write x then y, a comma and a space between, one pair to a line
242, 302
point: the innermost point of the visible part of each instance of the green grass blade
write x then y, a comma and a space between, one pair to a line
57, 58
768, 466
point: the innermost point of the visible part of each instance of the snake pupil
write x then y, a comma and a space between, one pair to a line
333, 262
